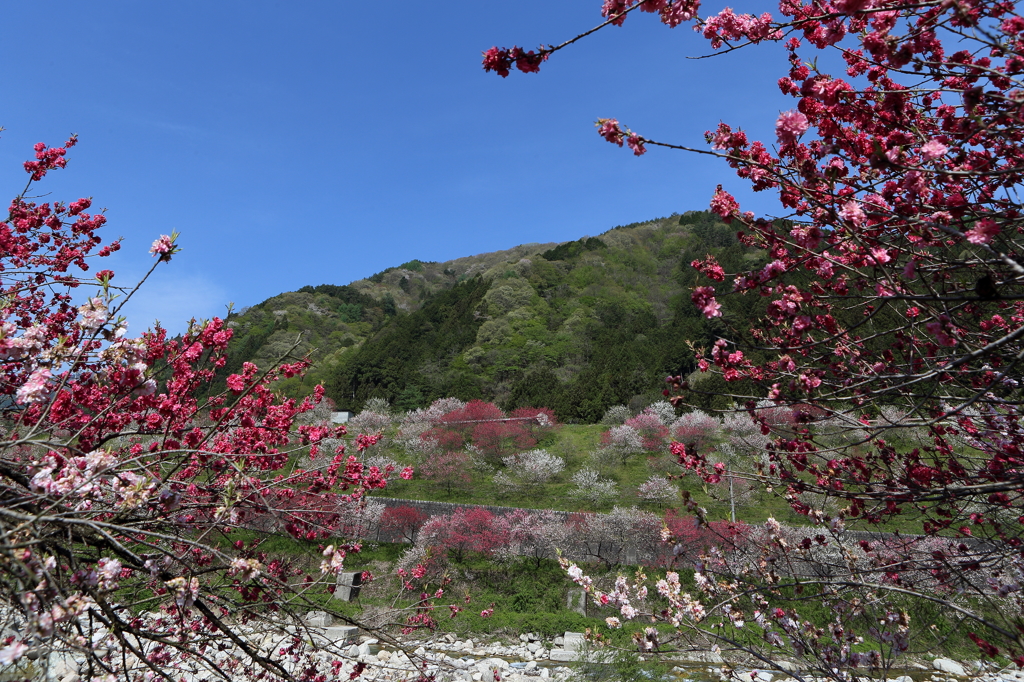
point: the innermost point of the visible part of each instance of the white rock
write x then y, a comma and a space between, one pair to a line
318, 619
564, 655
61, 664
572, 641
950, 667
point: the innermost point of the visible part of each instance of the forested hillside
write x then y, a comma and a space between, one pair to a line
577, 327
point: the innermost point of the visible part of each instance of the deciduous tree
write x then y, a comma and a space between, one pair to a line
893, 279
123, 489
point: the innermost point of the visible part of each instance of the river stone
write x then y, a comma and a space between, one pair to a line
572, 641
950, 667
318, 619
563, 655
341, 634
60, 665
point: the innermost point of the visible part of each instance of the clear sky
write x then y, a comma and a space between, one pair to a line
297, 143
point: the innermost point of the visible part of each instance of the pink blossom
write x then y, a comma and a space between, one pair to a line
982, 232
498, 61
724, 204
406, 474
933, 149
853, 6
790, 126
679, 11
879, 256
636, 143
236, 383
34, 390
12, 652
853, 213
704, 299
609, 129
94, 314
617, 9
162, 247
939, 329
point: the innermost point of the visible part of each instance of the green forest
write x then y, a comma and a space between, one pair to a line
577, 327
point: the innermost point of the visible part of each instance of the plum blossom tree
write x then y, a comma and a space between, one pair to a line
403, 521
123, 489
696, 427
529, 469
895, 278
591, 487
657, 489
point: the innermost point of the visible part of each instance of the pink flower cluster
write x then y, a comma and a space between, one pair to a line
500, 60
704, 299
729, 26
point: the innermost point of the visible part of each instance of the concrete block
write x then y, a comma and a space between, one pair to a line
573, 641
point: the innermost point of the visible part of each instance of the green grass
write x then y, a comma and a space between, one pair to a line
530, 595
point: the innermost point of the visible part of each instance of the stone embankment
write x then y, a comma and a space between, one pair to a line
530, 658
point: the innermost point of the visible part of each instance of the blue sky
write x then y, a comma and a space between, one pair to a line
297, 143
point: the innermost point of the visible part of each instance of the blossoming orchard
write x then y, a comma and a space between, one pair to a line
124, 488
892, 280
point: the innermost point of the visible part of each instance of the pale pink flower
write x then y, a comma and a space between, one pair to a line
94, 314
852, 213
790, 126
163, 247
636, 143
34, 390
11, 653
879, 256
982, 232
609, 129
933, 149
704, 299
613, 622
245, 569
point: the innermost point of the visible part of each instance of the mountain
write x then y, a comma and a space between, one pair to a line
577, 326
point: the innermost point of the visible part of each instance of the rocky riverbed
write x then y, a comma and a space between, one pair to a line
528, 658
532, 657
